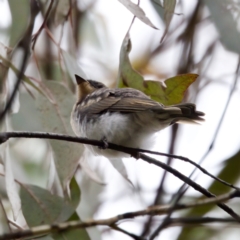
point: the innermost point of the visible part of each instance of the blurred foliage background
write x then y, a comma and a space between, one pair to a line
42, 182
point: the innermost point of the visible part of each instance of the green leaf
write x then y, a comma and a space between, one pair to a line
75, 193
20, 11
137, 11
39, 206
175, 89
171, 93
62, 10
72, 234
230, 173
19, 121
169, 6
227, 26
55, 117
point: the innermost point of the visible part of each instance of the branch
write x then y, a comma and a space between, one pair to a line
4, 136
190, 221
154, 210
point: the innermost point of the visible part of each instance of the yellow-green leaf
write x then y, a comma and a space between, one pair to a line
170, 92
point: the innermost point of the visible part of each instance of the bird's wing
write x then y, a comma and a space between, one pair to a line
126, 102
135, 104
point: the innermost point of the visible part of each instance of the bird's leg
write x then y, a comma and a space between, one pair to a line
135, 155
105, 143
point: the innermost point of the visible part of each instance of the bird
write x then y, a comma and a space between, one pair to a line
123, 116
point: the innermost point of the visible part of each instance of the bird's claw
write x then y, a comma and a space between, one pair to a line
105, 143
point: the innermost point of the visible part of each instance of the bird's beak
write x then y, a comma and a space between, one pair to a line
79, 80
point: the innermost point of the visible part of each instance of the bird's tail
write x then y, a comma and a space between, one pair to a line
184, 113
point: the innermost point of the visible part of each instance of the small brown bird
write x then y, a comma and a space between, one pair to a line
123, 116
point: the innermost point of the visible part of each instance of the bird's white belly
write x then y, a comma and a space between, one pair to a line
115, 127
123, 129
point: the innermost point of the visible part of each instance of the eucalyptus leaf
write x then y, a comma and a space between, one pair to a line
158, 8
168, 93
55, 117
169, 6
20, 11
75, 193
226, 25
11, 186
137, 11
61, 11
121, 168
41, 207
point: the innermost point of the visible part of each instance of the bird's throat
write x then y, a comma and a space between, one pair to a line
83, 90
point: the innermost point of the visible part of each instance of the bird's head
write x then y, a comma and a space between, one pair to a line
86, 87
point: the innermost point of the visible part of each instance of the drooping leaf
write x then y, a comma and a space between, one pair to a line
158, 8
170, 92
220, 12
11, 187
55, 117
120, 167
75, 193
61, 11
4, 221
3, 70
19, 121
84, 162
169, 6
41, 207
20, 12
137, 11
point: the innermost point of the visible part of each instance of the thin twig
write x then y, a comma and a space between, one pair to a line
195, 221
35, 37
